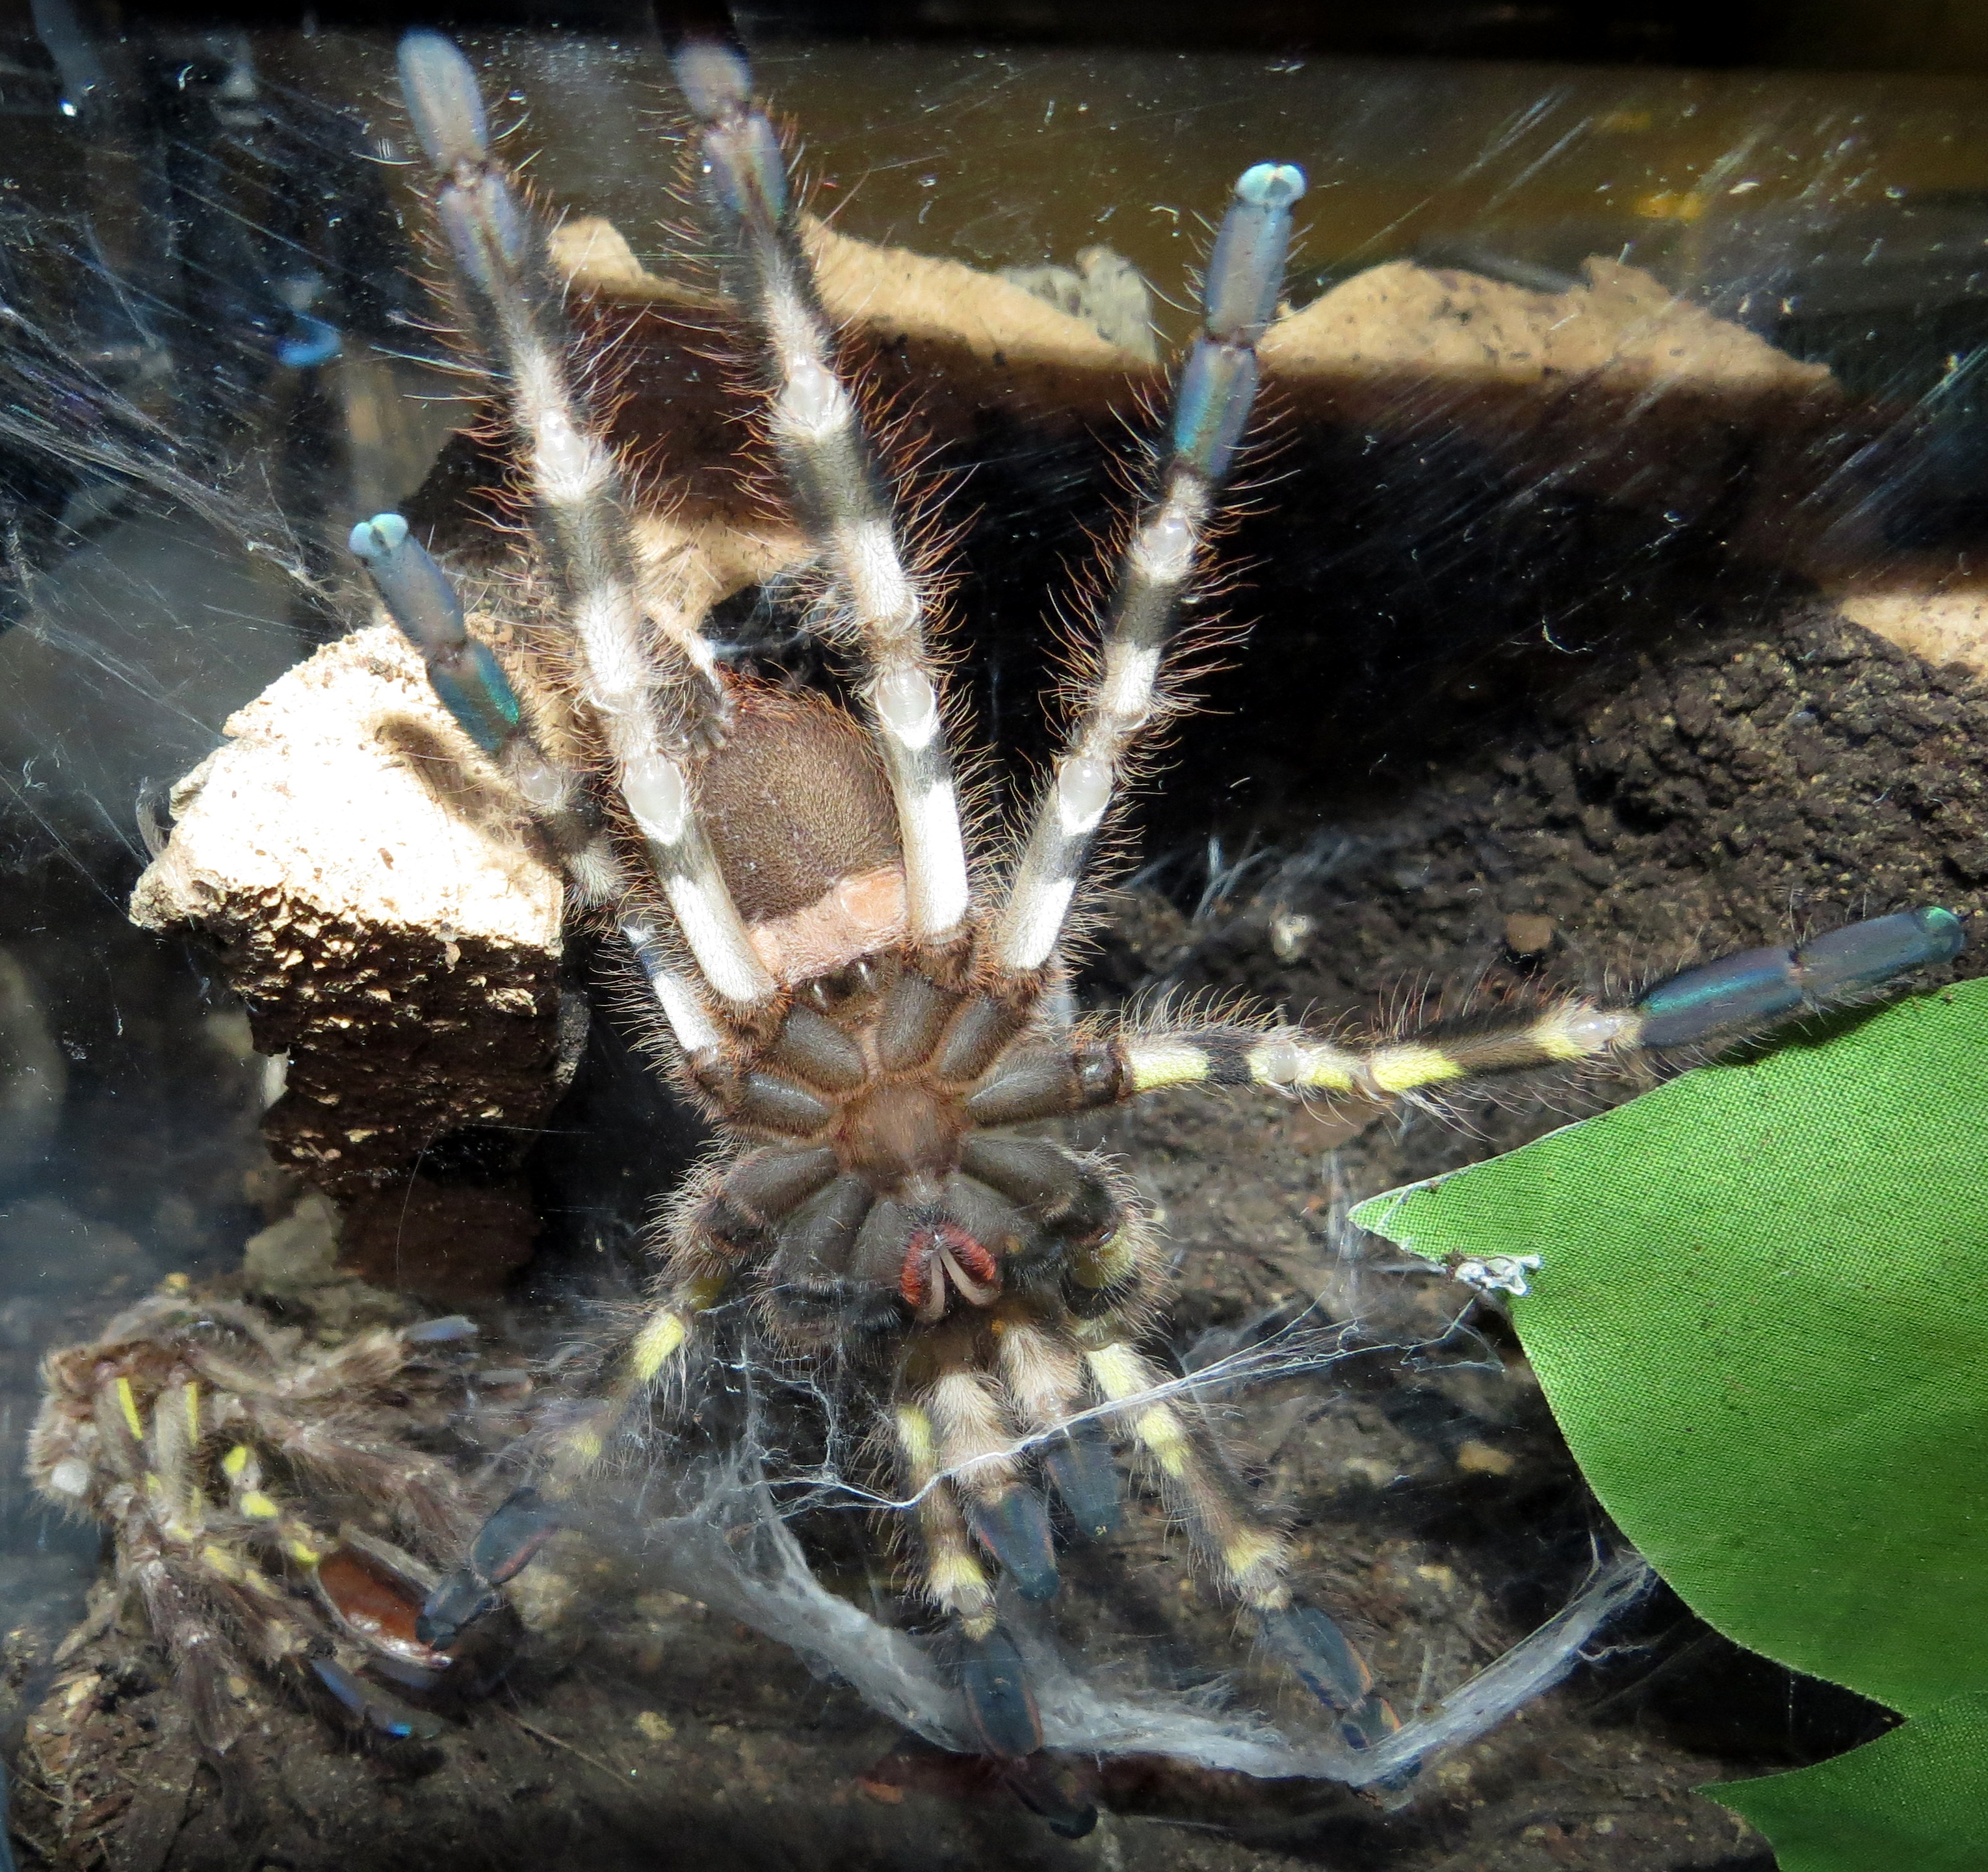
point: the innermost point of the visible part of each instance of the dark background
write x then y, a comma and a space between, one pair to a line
1843, 35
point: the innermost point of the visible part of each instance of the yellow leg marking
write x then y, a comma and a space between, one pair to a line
657, 1343
1286, 1062
191, 1398
1154, 1065
235, 1464
1552, 1041
955, 1577
915, 1433
1107, 1263
128, 1403
298, 1540
1327, 1068
169, 1509
1583, 1030
707, 1290
662, 1337
267, 1590
1160, 1431
956, 1580
1249, 1554
1121, 1374
1402, 1068
1095, 1334
223, 1562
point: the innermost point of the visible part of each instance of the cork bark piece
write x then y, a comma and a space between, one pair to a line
1618, 323
891, 293
1619, 389
1944, 620
373, 897
938, 349
1616, 388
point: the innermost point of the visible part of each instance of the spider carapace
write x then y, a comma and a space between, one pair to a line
867, 1003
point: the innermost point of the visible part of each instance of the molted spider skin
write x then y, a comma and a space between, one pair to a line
206, 1444
865, 1003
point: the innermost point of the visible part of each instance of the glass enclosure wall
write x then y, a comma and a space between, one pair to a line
1598, 593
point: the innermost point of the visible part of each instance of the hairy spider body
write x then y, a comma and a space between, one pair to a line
187, 1429
871, 1012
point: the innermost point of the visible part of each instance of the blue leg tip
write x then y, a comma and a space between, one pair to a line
505, 1544
460, 1600
1016, 1529
1320, 1654
998, 1700
1083, 1474
1866, 955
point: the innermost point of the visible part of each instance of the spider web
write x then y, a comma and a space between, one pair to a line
168, 552
161, 573
736, 1551
724, 1521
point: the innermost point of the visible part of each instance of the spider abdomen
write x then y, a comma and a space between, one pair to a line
800, 819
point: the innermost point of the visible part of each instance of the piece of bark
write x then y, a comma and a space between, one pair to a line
1616, 388
371, 894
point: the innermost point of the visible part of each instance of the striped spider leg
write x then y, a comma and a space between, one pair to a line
212, 1451
1716, 1005
870, 1025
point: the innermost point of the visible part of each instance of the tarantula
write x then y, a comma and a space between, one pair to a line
862, 991
185, 1426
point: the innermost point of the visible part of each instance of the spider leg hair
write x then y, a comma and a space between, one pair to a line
1714, 1004
184, 1558
420, 598
988, 1667
830, 468
418, 1490
648, 716
160, 1428
961, 1414
1044, 1373
1212, 398
470, 684
202, 1659
718, 1222
513, 1533
1248, 1559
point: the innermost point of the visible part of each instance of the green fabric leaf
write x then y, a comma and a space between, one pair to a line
1915, 1800
1760, 1321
